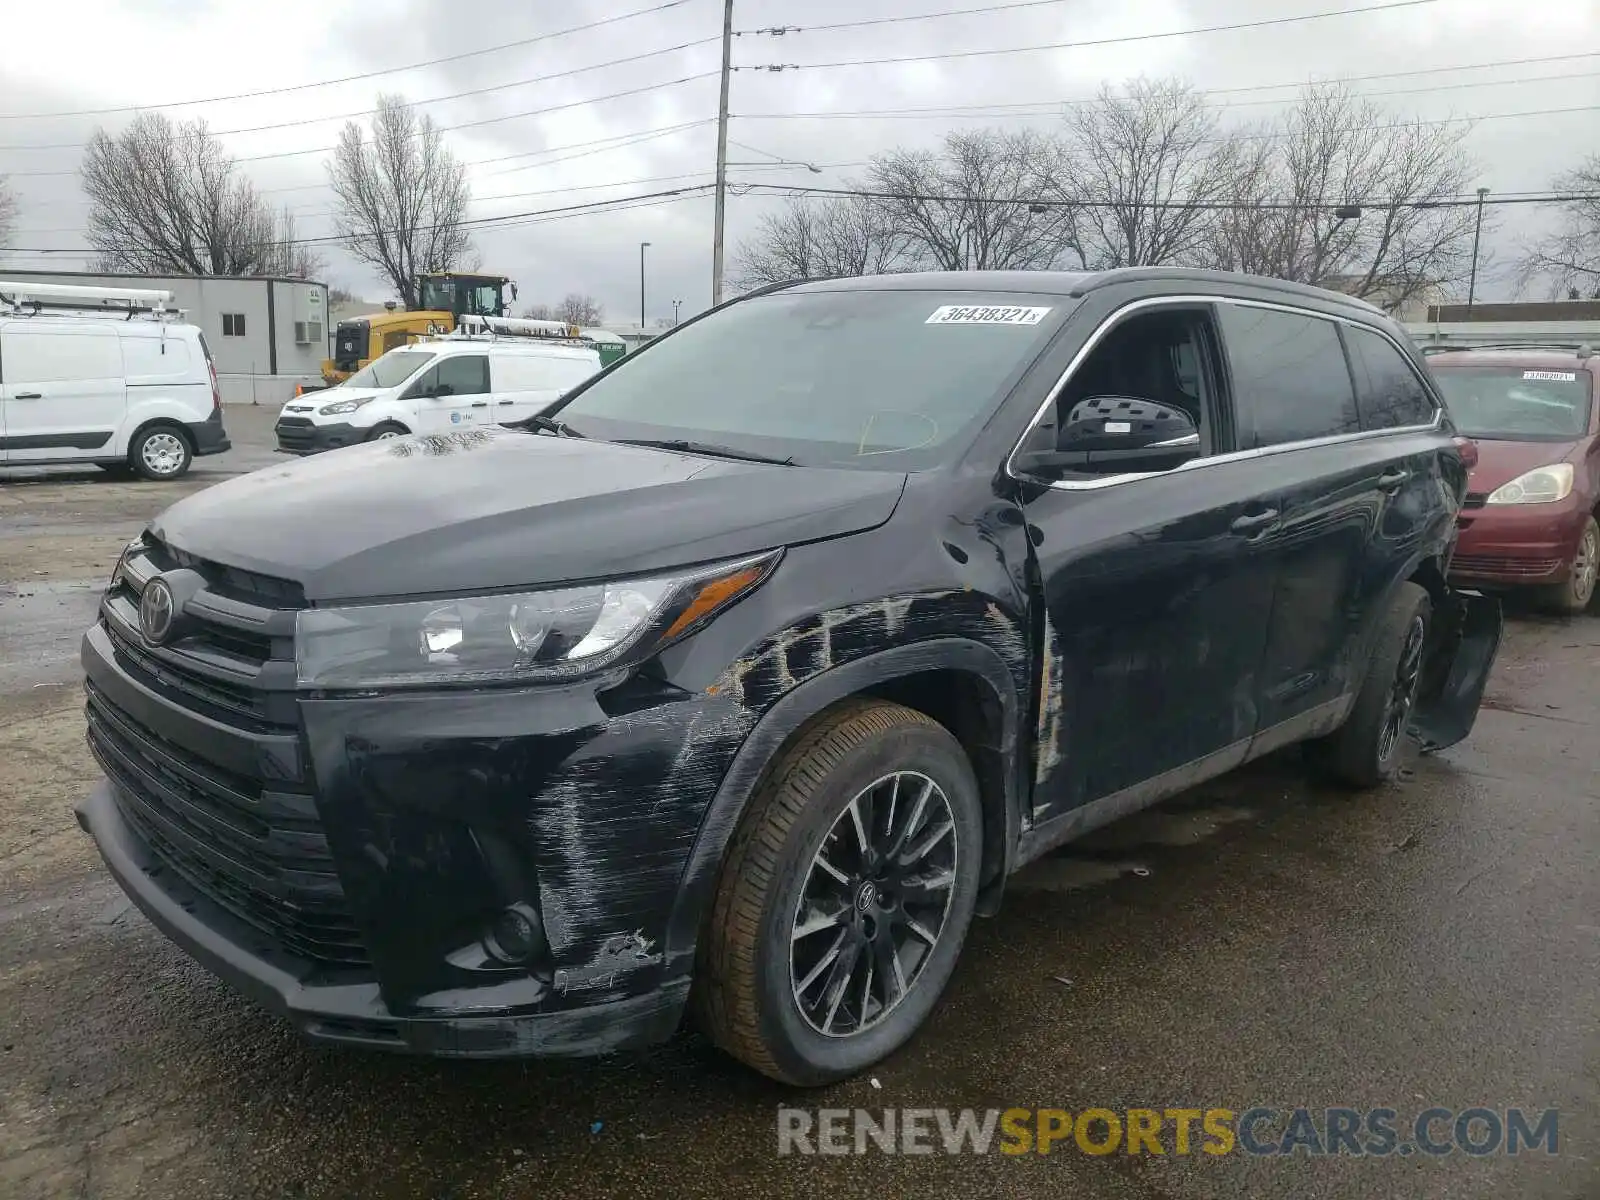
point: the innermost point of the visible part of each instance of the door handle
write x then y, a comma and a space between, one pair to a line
1256, 523
28, 396
503, 403
1391, 480
480, 404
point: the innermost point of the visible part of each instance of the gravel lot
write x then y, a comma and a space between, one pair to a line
1258, 941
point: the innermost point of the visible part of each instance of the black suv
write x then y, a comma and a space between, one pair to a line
742, 677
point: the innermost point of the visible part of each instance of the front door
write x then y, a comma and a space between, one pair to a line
453, 394
1156, 589
62, 391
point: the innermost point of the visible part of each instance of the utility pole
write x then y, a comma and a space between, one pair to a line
722, 155
1472, 286
676, 304
642, 246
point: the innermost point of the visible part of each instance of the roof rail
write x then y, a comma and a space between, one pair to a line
472, 325
35, 298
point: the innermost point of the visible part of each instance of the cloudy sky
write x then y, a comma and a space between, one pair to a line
545, 133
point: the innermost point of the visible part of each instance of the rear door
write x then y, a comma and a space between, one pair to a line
62, 391
1296, 404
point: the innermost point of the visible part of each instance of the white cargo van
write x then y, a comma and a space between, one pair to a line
104, 376
435, 386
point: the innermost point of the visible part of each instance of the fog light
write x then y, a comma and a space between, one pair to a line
516, 936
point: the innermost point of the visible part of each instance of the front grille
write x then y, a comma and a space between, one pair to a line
259, 854
1501, 565
254, 847
295, 433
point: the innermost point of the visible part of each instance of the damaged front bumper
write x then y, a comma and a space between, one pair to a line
477, 874
1467, 628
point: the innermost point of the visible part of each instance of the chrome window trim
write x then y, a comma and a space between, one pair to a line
1186, 301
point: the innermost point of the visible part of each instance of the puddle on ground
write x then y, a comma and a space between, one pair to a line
1108, 854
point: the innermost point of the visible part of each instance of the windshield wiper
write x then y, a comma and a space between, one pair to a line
711, 448
550, 425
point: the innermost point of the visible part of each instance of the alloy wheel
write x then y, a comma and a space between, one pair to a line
162, 453
1585, 567
1403, 691
874, 904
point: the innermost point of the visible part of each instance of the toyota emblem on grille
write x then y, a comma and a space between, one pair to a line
156, 609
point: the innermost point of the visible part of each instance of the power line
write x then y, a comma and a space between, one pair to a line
1136, 37
504, 220
780, 31
300, 87
1052, 107
1198, 205
532, 112
367, 112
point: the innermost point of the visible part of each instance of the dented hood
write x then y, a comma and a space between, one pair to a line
498, 508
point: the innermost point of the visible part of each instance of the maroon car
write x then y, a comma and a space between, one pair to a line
1529, 516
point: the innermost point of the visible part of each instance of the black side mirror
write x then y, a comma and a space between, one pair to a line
1116, 434
441, 390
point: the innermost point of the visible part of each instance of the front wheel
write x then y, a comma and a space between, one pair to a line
160, 453
1573, 596
1366, 749
845, 897
385, 430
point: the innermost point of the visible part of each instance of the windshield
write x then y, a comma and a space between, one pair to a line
438, 295
1507, 404
393, 368
874, 379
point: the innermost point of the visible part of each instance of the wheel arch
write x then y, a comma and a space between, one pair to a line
982, 703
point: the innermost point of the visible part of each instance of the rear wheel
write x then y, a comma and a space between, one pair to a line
385, 430
1367, 749
160, 452
845, 897
1574, 595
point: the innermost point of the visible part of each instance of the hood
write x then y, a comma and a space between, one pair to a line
1499, 462
498, 508
311, 401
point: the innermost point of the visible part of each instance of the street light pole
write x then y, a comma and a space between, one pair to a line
1472, 285
676, 304
722, 156
642, 245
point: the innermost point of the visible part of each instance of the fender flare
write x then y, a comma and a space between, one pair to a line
696, 885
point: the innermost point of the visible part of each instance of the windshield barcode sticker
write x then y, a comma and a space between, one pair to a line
1556, 376
967, 314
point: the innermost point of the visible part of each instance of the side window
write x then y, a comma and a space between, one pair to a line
397, 337
1290, 379
422, 385
464, 374
1388, 391
232, 324
1157, 356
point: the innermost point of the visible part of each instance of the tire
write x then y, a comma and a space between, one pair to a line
1573, 596
384, 430
160, 453
777, 877
1367, 749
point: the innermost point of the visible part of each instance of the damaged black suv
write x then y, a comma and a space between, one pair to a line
738, 681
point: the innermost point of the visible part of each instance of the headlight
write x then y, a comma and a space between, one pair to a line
1543, 485
513, 637
344, 406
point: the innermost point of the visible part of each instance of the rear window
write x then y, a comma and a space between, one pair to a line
853, 378
393, 368
1290, 380
1517, 404
1388, 391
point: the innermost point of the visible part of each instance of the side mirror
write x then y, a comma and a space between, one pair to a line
441, 390
1116, 434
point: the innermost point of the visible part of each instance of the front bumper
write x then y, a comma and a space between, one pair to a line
297, 435
342, 861
1518, 544
354, 1013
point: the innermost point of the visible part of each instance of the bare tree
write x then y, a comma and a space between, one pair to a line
168, 199
1142, 164
8, 211
1567, 260
812, 239
578, 309
401, 196
540, 312
977, 204
1285, 186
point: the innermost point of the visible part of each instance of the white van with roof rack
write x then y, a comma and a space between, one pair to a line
492, 371
109, 376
